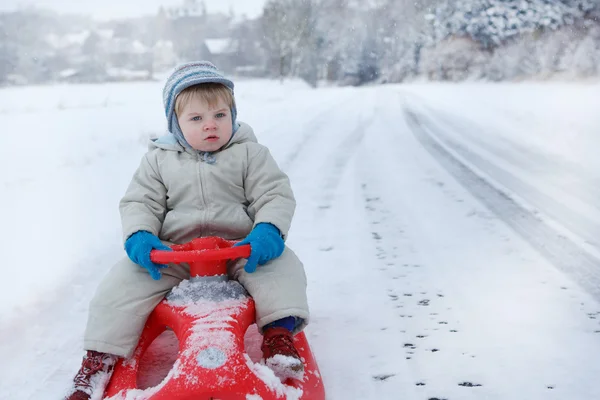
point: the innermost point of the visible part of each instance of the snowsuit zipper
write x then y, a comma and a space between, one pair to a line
203, 202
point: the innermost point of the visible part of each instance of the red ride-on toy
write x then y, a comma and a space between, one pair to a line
210, 317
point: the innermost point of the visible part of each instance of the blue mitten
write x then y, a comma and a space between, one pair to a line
138, 247
266, 244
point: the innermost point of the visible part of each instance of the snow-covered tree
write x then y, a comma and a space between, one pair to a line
586, 59
494, 22
7, 56
287, 26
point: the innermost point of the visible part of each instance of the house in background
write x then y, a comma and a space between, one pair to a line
97, 56
223, 53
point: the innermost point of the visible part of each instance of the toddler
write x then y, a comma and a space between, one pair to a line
207, 177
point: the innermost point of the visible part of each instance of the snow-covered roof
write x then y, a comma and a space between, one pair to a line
105, 33
76, 38
125, 45
219, 46
138, 47
163, 44
126, 73
66, 73
70, 39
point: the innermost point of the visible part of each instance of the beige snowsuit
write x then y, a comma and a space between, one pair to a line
178, 196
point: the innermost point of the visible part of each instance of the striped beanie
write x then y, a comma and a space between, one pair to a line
184, 76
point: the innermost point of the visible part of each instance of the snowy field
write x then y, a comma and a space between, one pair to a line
425, 280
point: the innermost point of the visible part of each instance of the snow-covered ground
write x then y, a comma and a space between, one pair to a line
425, 281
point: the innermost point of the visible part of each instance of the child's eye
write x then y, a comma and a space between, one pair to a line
221, 115
196, 118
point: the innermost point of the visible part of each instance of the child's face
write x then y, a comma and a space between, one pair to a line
205, 128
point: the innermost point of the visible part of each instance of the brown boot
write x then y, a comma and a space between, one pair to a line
281, 355
93, 375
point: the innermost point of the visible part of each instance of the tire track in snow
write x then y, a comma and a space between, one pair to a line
337, 163
311, 130
337, 156
567, 176
558, 249
353, 365
319, 162
579, 215
273, 128
412, 290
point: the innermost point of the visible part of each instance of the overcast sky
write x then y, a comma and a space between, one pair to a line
104, 9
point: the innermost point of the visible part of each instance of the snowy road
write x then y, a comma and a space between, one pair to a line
552, 203
419, 288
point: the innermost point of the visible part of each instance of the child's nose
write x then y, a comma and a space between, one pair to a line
210, 125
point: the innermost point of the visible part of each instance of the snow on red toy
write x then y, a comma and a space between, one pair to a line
210, 315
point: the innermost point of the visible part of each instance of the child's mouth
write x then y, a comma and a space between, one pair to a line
212, 138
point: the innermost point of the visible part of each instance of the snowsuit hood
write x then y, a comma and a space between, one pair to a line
179, 194
244, 134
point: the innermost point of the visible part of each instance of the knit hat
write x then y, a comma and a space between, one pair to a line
184, 76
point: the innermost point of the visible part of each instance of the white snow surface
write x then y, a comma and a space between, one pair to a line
417, 289
282, 366
269, 377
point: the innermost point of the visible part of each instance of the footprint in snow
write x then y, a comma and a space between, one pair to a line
383, 377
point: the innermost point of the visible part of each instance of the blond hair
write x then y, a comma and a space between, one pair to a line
209, 93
